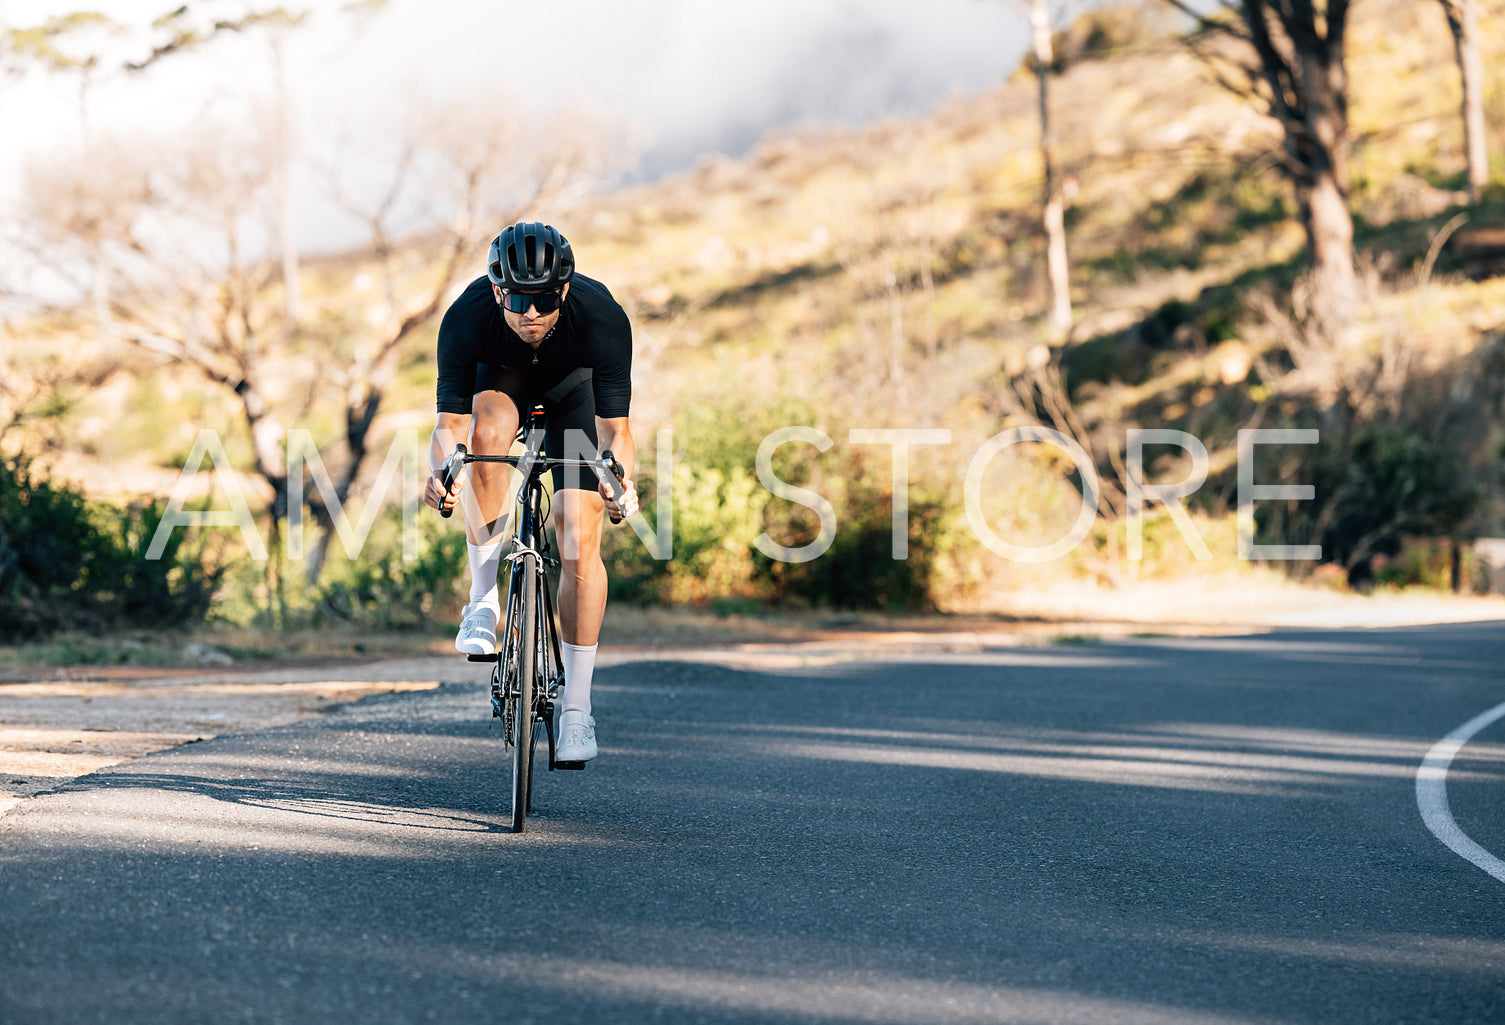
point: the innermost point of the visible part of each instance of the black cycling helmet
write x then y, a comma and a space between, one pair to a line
530, 255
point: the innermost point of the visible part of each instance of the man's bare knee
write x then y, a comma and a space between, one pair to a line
586, 568
493, 422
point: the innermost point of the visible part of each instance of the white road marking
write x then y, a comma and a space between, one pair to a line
1432, 793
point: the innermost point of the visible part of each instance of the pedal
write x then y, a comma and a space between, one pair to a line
483, 658
568, 765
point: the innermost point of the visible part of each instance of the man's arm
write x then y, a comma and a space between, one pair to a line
450, 429
616, 434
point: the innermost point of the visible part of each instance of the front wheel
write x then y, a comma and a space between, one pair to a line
522, 697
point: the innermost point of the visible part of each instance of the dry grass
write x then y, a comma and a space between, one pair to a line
771, 275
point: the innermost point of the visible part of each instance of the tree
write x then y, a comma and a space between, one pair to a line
191, 275
181, 30
1463, 22
82, 205
88, 43
1057, 267
35, 394
74, 43
1288, 55
189, 27
192, 263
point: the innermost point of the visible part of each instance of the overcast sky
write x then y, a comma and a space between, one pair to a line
693, 76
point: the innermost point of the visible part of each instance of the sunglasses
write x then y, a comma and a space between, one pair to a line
544, 302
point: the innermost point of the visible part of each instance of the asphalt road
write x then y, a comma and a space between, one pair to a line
1165, 831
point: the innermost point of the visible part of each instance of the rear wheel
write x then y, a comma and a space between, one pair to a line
522, 696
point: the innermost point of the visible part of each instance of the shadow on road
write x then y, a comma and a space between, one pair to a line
1159, 831
344, 796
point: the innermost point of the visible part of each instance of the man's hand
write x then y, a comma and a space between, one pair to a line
434, 495
619, 508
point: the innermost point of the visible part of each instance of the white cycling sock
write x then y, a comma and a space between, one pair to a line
579, 664
484, 562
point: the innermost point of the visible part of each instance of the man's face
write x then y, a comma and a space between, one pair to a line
530, 325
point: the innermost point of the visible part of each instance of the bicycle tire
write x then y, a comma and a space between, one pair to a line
522, 695
538, 698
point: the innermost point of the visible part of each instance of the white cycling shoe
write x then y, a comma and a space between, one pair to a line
577, 737
477, 634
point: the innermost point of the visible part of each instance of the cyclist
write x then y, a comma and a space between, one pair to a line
531, 330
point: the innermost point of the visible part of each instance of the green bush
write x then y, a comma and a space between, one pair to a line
382, 590
1424, 562
66, 562
858, 570
716, 515
720, 508
1381, 487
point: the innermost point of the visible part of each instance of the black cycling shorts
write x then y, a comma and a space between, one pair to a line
569, 418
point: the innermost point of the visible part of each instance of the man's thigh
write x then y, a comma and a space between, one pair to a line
497, 403
570, 433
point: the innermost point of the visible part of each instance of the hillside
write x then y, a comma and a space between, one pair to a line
893, 276
800, 271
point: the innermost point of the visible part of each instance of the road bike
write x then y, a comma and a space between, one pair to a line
527, 668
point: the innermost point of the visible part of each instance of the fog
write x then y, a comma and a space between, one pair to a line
688, 77
694, 76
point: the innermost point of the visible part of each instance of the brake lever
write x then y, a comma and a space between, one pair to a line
450, 471
617, 474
